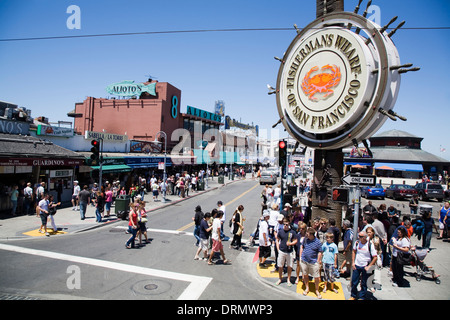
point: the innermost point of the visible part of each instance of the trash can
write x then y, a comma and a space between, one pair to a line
122, 206
200, 185
221, 180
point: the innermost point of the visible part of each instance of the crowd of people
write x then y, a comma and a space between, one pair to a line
382, 239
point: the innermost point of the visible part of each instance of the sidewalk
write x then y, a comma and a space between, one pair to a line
425, 289
69, 221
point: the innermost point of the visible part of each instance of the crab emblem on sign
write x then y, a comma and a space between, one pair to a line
322, 82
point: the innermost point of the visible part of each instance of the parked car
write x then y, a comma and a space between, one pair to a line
429, 190
373, 192
274, 170
400, 191
267, 177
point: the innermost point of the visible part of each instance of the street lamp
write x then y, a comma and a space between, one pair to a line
165, 155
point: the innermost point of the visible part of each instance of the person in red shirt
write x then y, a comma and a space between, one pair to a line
132, 225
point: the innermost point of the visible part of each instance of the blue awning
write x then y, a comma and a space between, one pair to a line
398, 166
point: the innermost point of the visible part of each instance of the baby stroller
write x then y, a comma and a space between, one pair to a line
421, 268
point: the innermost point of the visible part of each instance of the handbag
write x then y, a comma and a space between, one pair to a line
404, 258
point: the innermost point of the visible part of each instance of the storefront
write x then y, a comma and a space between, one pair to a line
26, 159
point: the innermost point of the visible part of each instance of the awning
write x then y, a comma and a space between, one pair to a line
202, 156
363, 164
113, 168
398, 166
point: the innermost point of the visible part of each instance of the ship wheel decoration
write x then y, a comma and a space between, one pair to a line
339, 80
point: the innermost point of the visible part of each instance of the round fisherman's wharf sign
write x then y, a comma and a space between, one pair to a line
333, 80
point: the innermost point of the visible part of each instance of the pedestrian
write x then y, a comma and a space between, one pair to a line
142, 221
84, 199
401, 244
414, 204
99, 206
28, 195
155, 190
76, 191
335, 230
347, 252
132, 225
42, 212
197, 218
428, 229
204, 234
377, 242
363, 258
311, 259
52, 211
108, 201
329, 261
443, 214
14, 197
302, 227
286, 241
221, 207
264, 240
322, 231
40, 190
217, 242
238, 227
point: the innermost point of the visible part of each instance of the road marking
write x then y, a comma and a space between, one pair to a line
179, 232
226, 205
197, 284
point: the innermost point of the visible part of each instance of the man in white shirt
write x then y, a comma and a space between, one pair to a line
76, 191
363, 258
221, 207
264, 241
28, 198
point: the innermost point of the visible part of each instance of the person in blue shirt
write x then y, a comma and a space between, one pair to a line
311, 259
329, 261
443, 216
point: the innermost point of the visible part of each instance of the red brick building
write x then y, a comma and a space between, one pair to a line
139, 119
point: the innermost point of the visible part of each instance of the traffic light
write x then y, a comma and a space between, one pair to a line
340, 195
282, 153
95, 156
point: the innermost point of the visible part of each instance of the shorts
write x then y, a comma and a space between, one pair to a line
74, 197
43, 218
264, 251
217, 246
204, 244
312, 269
328, 272
108, 206
285, 257
155, 193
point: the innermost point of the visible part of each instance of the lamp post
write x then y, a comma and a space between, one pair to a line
165, 155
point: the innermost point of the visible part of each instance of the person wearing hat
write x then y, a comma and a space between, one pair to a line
264, 241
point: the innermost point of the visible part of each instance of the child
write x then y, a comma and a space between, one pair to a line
329, 260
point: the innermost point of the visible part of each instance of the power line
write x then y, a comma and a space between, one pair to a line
183, 31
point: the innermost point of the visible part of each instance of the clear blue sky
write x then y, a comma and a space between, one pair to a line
50, 76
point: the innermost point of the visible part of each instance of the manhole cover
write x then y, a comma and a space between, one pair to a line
151, 286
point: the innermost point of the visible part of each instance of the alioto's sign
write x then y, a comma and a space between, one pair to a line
331, 84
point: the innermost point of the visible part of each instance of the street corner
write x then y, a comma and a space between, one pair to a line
51, 232
330, 294
267, 271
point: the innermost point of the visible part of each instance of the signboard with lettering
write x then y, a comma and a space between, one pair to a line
107, 137
44, 130
128, 88
203, 114
14, 127
334, 85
